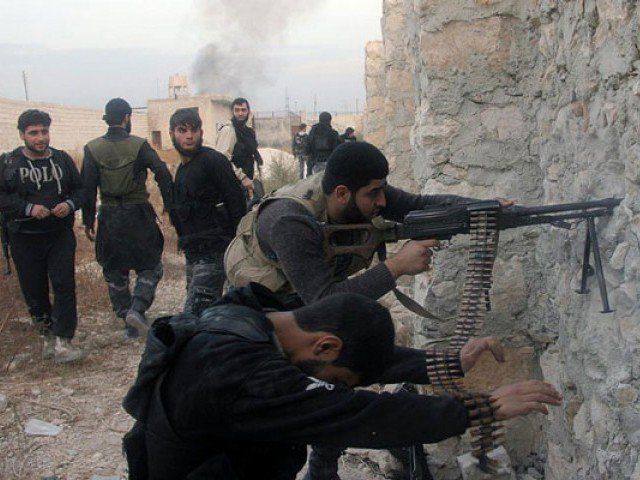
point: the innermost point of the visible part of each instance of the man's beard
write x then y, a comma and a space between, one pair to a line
128, 126
31, 148
239, 122
187, 153
310, 367
352, 213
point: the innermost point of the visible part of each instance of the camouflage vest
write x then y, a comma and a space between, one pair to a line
116, 161
244, 261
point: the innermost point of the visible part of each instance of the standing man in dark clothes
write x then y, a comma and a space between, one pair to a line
299, 150
40, 189
238, 394
128, 237
239, 144
349, 135
323, 139
207, 205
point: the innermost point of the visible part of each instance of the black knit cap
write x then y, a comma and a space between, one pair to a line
354, 164
115, 111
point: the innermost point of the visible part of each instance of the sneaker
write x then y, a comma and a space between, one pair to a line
65, 353
138, 321
48, 346
130, 332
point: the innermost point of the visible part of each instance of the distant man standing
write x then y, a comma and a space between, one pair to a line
323, 139
299, 149
128, 237
239, 144
349, 135
207, 205
40, 189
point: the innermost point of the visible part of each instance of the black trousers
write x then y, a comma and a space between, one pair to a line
41, 258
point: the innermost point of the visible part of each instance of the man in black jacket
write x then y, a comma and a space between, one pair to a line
40, 189
207, 205
128, 236
239, 392
322, 140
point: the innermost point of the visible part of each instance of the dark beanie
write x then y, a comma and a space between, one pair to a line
354, 164
115, 111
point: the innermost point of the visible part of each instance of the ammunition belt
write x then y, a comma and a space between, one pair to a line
443, 366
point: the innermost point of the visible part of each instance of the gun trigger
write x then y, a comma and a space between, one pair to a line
561, 224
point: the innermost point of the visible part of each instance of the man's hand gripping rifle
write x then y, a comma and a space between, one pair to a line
442, 223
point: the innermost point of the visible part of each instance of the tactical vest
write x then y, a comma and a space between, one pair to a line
244, 261
116, 161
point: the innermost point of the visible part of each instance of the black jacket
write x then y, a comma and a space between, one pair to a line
48, 182
322, 140
215, 395
207, 205
128, 236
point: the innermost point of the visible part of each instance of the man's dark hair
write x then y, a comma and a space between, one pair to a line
354, 164
240, 101
303, 126
32, 117
325, 117
115, 110
185, 117
364, 326
349, 130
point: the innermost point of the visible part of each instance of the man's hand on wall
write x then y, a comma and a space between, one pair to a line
40, 212
61, 210
474, 348
522, 398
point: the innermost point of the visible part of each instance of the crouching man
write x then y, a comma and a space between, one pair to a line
240, 391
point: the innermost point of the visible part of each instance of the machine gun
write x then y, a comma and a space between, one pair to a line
483, 222
442, 223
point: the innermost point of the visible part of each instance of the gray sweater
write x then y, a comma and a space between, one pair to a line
289, 234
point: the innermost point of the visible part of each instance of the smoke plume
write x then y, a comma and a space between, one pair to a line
243, 35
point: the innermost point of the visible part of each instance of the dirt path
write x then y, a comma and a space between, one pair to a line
84, 399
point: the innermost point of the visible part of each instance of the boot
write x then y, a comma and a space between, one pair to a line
48, 346
65, 353
137, 321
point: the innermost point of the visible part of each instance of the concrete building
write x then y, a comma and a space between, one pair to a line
178, 86
213, 109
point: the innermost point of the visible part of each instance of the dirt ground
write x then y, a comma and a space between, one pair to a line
84, 398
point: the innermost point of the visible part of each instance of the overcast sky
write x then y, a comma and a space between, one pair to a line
83, 53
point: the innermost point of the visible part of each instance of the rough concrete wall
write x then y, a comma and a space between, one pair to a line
374, 78
588, 124
399, 33
536, 101
275, 132
71, 127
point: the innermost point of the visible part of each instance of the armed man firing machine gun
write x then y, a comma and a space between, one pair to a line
483, 222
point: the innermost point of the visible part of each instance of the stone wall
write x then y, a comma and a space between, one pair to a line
71, 127
535, 101
374, 130
276, 131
